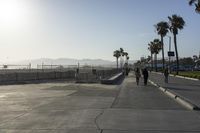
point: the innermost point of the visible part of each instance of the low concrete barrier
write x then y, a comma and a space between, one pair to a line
10, 77
94, 76
22, 77
112, 80
28, 77
86, 78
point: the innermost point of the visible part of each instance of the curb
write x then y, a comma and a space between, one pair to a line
188, 104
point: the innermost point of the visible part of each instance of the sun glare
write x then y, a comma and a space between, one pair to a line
11, 12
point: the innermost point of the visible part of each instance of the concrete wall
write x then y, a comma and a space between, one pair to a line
8, 77
106, 73
26, 76
35, 76
97, 76
20, 77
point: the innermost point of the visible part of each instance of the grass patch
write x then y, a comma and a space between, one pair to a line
190, 74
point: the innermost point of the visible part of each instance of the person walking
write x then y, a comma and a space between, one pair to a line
137, 75
145, 76
166, 74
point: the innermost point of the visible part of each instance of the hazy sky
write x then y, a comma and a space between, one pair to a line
79, 29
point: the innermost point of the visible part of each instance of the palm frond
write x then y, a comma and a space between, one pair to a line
192, 2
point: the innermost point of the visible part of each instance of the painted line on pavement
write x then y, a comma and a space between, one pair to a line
188, 104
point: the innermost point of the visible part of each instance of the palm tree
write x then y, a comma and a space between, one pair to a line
162, 30
117, 55
156, 47
126, 55
121, 56
127, 58
150, 48
176, 23
121, 50
196, 3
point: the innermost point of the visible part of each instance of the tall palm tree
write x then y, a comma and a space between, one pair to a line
150, 48
121, 56
196, 3
121, 50
176, 23
117, 55
156, 47
127, 58
126, 55
162, 30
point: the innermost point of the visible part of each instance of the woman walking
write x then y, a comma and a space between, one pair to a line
137, 75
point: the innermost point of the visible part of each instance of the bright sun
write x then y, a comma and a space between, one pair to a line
11, 12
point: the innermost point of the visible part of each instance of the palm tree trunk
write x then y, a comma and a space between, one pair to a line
177, 60
163, 58
120, 62
151, 61
117, 63
156, 62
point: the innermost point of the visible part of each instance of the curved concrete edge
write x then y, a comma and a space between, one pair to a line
170, 94
154, 83
113, 80
162, 89
188, 104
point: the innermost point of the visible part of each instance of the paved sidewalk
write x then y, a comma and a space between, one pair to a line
189, 89
143, 97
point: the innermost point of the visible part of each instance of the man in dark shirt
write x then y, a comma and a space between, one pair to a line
145, 76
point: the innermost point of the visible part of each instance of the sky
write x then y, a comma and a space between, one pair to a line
80, 29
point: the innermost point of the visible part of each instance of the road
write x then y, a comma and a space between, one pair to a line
189, 89
92, 108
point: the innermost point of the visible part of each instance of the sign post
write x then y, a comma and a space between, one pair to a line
170, 54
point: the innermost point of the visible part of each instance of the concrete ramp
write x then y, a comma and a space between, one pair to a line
113, 80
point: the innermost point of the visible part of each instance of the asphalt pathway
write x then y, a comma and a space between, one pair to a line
189, 89
143, 97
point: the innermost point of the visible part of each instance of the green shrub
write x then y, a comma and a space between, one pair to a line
194, 76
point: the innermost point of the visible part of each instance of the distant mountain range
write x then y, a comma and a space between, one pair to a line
68, 61
62, 61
